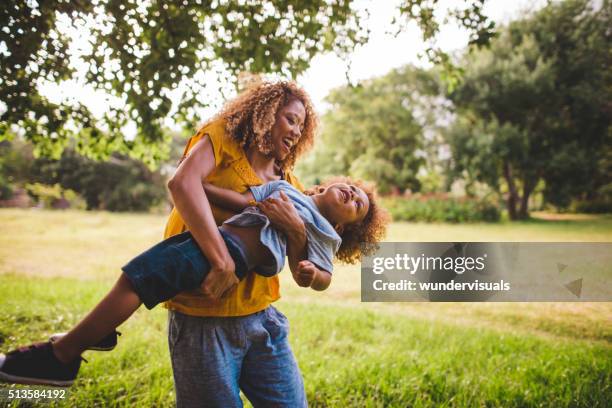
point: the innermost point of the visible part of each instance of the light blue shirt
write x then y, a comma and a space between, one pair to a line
323, 240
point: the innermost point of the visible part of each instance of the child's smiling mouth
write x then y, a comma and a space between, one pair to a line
344, 195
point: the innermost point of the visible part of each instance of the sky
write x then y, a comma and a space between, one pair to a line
383, 52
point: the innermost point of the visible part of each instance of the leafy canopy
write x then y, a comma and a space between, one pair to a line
376, 131
155, 59
535, 106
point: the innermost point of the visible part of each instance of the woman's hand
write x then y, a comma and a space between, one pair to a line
220, 279
282, 215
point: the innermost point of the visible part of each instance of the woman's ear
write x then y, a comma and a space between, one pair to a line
339, 228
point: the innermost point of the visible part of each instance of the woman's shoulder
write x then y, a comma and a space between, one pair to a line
214, 129
221, 140
293, 180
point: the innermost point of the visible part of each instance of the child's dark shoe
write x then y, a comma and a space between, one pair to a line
36, 364
106, 344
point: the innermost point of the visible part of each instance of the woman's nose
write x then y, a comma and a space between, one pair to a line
296, 132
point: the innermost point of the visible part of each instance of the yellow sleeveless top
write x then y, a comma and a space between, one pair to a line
232, 171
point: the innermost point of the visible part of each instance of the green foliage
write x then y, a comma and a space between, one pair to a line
440, 208
6, 188
33, 50
119, 184
54, 196
141, 52
597, 206
375, 131
534, 106
468, 15
15, 164
145, 53
133, 197
476, 147
15, 160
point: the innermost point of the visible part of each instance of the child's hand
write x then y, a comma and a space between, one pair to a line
306, 274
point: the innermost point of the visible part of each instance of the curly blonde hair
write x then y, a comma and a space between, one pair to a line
250, 116
360, 238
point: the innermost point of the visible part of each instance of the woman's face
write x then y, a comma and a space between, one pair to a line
287, 128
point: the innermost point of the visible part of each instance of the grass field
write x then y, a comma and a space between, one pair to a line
54, 266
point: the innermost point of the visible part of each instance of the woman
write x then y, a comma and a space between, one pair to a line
220, 345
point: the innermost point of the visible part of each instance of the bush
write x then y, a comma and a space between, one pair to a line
6, 189
138, 197
439, 208
119, 184
54, 196
600, 206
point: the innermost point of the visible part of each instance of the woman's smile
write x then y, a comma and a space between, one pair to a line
287, 129
288, 143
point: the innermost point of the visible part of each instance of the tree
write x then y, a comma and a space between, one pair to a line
145, 53
375, 131
470, 17
119, 184
535, 106
142, 51
15, 166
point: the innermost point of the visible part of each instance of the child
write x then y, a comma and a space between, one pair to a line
330, 211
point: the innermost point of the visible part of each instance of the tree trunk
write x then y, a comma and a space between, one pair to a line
524, 209
528, 186
512, 193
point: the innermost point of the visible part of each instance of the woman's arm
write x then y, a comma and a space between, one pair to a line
227, 198
192, 204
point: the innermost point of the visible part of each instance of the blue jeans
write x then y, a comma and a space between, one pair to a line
175, 265
213, 358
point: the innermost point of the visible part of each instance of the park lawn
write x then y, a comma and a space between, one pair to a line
54, 266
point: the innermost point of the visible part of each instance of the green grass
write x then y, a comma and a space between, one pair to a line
54, 266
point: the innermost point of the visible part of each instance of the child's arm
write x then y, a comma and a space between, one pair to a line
229, 199
308, 275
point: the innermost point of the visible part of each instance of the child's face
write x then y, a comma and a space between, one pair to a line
345, 204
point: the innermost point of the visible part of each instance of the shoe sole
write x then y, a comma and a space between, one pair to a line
54, 337
29, 380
